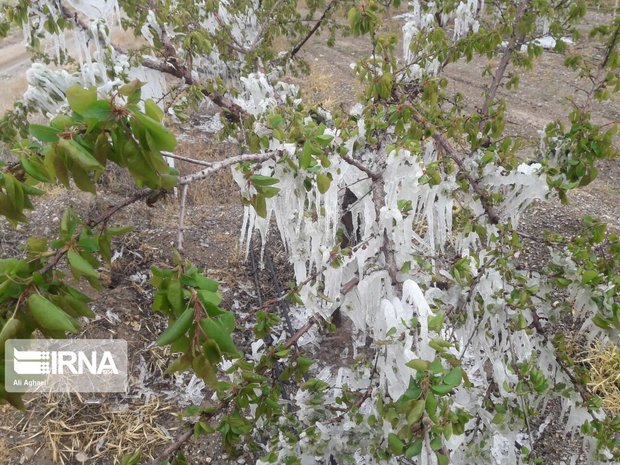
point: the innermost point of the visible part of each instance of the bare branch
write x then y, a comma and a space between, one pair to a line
218, 165
515, 41
182, 216
298, 47
351, 161
188, 160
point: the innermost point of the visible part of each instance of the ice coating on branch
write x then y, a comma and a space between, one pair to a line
90, 46
422, 18
97, 9
47, 87
465, 18
520, 187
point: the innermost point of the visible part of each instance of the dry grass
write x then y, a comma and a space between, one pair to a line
603, 361
90, 433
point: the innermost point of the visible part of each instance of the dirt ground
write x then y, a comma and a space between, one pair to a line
93, 429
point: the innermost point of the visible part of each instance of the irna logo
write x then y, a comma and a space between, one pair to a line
65, 365
60, 362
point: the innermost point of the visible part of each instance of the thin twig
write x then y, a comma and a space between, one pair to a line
298, 47
52, 262
186, 159
183, 203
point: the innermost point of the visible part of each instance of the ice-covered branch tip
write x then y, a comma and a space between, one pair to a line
174, 66
218, 165
451, 152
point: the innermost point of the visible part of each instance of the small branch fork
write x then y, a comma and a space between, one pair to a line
185, 181
96, 222
218, 165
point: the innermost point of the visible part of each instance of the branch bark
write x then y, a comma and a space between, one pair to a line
452, 153
100, 220
500, 71
186, 159
218, 165
182, 205
299, 46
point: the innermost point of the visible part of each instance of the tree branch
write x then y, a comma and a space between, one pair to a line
183, 202
452, 153
298, 47
188, 160
515, 41
218, 165
52, 262
371, 174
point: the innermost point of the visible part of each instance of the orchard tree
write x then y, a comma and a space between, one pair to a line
401, 214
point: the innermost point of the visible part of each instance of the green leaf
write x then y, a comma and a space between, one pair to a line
588, 276
132, 459
61, 122
261, 206
79, 155
218, 331
100, 111
79, 306
205, 283
81, 267
324, 140
82, 180
43, 133
415, 414
178, 328
267, 191
49, 316
162, 139
174, 294
35, 168
305, 159
323, 182
418, 364
441, 389
80, 100
454, 377
260, 180
152, 110
10, 330
415, 449
395, 445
